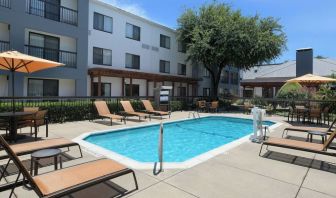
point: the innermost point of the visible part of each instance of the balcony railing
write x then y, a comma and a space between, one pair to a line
5, 3
65, 57
4, 46
52, 11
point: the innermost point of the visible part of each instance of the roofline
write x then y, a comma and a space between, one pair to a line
133, 15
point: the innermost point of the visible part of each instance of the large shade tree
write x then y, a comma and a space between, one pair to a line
217, 36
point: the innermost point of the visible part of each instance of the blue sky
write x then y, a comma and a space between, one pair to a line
307, 23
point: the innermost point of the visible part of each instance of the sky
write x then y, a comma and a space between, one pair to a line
307, 23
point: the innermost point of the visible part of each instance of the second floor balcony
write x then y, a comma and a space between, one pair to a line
5, 3
53, 10
4, 46
65, 57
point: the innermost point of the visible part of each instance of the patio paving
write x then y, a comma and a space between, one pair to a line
239, 172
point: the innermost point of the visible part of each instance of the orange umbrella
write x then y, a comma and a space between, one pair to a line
312, 79
16, 61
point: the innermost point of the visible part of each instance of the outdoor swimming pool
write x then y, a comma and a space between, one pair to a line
183, 140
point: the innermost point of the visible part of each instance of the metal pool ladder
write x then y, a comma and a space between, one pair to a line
160, 152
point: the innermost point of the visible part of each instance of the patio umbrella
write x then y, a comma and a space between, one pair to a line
312, 79
15, 61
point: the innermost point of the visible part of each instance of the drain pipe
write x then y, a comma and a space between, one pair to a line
160, 152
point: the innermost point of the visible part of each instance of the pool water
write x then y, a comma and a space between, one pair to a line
183, 140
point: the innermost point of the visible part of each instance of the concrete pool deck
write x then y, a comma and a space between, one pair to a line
239, 172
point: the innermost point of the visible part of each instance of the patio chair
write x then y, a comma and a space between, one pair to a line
201, 106
26, 121
307, 129
129, 111
315, 113
214, 106
104, 112
149, 109
39, 119
31, 109
65, 181
30, 147
300, 145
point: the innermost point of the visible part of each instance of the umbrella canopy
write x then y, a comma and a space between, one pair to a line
312, 79
16, 61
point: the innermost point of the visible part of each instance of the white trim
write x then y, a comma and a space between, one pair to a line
98, 151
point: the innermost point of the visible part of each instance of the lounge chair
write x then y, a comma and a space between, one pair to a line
307, 129
68, 180
129, 111
30, 147
300, 145
103, 111
149, 109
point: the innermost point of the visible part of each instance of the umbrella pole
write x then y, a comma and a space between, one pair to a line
13, 102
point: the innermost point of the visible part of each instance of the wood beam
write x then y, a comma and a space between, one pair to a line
139, 75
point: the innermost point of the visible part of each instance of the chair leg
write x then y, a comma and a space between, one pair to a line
4, 170
14, 185
261, 147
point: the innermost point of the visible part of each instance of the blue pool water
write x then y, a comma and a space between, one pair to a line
182, 139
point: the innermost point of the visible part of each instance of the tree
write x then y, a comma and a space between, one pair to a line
217, 36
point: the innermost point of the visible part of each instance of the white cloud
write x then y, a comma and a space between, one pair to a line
129, 7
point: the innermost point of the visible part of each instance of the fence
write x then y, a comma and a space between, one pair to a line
62, 109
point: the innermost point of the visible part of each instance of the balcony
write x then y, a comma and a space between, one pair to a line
5, 3
52, 11
4, 46
65, 57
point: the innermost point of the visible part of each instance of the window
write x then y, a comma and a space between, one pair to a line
132, 61
267, 92
206, 72
164, 41
164, 66
102, 22
182, 91
102, 56
132, 32
182, 69
133, 92
234, 78
42, 87
182, 47
105, 89
225, 78
206, 91
44, 46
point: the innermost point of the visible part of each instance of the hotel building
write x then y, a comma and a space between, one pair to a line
106, 51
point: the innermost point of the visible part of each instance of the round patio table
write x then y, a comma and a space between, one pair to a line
42, 154
322, 134
12, 117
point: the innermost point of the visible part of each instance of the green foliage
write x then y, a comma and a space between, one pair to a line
217, 36
290, 90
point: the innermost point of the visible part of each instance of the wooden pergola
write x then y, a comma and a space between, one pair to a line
149, 77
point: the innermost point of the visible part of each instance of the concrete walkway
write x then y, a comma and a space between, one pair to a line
240, 172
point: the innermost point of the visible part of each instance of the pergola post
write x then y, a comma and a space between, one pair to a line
173, 88
131, 86
91, 85
122, 86
146, 88
99, 86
